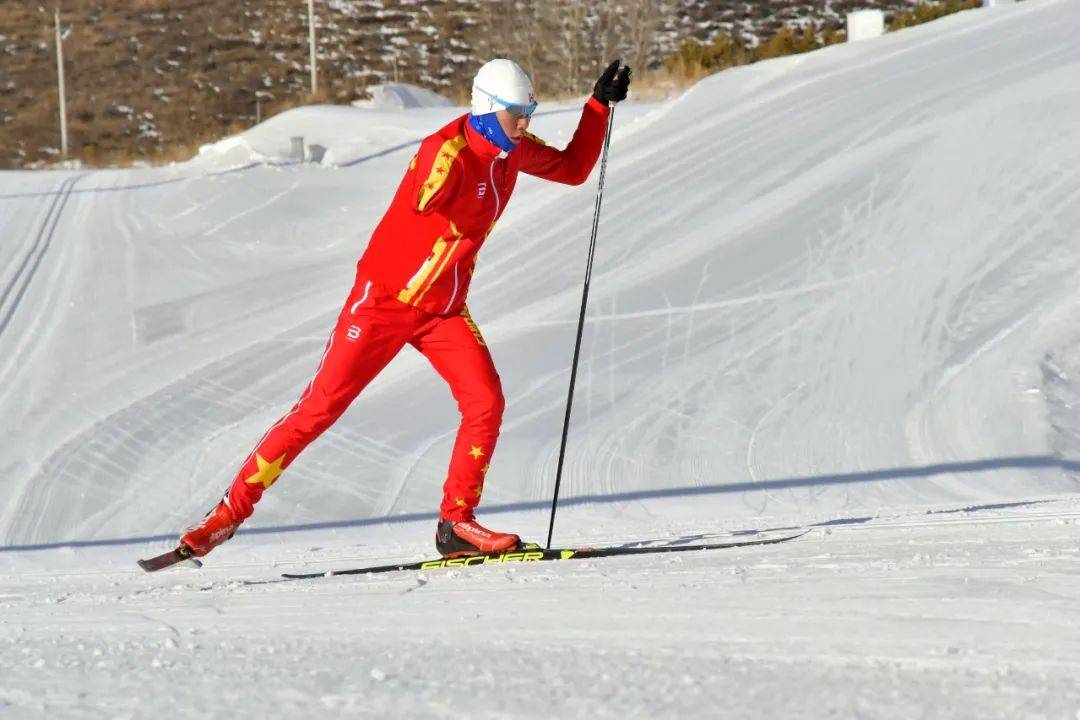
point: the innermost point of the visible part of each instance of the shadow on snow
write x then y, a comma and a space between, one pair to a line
1021, 462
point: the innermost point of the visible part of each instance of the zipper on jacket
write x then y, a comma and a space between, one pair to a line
361, 301
498, 200
498, 206
453, 295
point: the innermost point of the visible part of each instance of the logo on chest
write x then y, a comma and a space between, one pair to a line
481, 189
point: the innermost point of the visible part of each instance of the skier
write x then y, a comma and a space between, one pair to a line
411, 283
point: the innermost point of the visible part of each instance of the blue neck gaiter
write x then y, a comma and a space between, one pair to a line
488, 126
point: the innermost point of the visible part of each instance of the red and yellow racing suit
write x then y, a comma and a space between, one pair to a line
411, 285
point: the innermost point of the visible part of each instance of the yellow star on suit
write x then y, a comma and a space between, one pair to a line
268, 471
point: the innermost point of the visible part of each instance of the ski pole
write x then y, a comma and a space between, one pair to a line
581, 321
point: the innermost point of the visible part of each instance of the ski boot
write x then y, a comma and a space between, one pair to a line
468, 537
217, 527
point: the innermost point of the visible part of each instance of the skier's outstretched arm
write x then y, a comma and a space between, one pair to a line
573, 165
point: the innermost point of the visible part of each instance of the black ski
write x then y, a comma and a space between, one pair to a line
535, 553
169, 559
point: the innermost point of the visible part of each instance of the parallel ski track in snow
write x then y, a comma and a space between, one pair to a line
16, 288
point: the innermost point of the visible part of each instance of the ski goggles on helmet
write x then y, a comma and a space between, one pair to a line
515, 109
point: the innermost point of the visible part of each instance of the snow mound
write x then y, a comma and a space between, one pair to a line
401, 96
347, 133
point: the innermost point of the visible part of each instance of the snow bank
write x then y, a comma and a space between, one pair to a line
348, 133
401, 96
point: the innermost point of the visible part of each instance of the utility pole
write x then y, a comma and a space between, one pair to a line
311, 42
261, 95
60, 84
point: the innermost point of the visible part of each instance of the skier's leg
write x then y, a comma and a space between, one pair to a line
457, 351
370, 331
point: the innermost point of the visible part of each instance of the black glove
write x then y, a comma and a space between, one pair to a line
613, 84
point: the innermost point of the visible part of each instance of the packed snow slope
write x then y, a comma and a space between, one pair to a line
833, 283
837, 290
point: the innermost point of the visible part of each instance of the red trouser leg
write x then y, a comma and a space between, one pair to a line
456, 350
370, 331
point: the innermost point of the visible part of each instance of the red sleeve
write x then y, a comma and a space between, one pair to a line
572, 165
435, 173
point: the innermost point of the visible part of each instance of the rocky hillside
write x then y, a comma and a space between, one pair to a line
148, 80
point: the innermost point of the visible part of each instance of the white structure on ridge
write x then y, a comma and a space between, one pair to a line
865, 24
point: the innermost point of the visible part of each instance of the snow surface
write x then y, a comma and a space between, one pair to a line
836, 290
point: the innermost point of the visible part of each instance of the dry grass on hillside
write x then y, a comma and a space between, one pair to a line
152, 80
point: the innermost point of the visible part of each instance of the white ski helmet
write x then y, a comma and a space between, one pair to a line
502, 84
